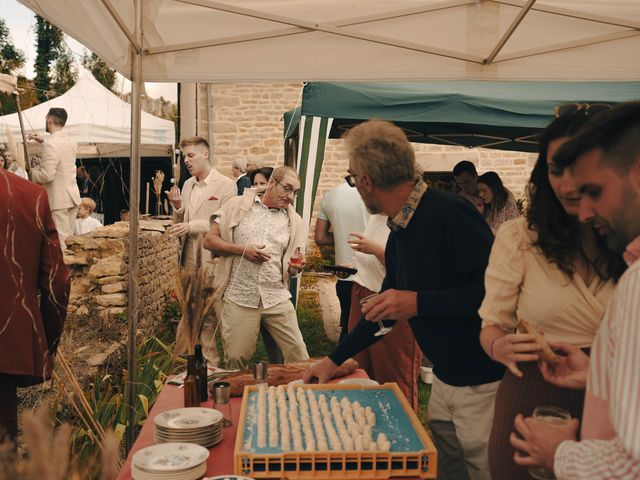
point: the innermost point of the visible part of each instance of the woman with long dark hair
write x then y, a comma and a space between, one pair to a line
498, 207
554, 272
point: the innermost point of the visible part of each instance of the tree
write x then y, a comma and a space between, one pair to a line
11, 58
48, 48
65, 72
100, 70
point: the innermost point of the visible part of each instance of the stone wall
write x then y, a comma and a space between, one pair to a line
98, 265
248, 122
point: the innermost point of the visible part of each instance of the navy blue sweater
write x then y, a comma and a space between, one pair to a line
442, 254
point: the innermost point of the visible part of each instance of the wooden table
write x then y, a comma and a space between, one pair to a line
220, 460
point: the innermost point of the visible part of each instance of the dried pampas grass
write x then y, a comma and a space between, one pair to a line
194, 291
47, 452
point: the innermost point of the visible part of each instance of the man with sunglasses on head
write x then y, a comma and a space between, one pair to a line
435, 258
604, 158
255, 241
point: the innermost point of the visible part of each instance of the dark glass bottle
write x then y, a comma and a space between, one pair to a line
201, 373
191, 390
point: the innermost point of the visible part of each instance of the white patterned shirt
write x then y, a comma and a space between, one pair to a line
254, 285
614, 377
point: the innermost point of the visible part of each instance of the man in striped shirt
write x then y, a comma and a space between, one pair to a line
605, 162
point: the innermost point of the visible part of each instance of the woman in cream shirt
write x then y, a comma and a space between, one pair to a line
555, 273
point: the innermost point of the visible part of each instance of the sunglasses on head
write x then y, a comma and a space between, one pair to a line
586, 108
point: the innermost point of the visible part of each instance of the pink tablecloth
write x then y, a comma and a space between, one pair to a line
220, 460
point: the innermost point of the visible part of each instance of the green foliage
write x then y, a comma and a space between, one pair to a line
100, 70
48, 47
65, 72
107, 394
11, 58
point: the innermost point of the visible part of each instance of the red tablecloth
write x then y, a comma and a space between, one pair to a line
220, 460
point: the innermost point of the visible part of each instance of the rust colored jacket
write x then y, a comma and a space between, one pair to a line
34, 282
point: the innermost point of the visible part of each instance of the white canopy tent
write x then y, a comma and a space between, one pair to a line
360, 40
334, 40
99, 121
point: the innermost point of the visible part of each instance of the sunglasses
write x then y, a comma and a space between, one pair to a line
586, 108
351, 180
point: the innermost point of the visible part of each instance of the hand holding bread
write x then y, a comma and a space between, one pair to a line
546, 353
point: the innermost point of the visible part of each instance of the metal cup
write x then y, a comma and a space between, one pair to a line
261, 372
221, 392
221, 397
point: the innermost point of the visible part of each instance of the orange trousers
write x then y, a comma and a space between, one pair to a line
395, 358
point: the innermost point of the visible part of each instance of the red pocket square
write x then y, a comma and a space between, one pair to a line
213, 198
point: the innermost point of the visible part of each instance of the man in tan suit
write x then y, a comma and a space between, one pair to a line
202, 195
56, 172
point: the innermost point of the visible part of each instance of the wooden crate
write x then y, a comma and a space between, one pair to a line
419, 462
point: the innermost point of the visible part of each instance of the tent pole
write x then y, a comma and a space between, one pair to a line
27, 160
134, 204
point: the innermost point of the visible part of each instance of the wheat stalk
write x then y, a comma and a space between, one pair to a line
195, 295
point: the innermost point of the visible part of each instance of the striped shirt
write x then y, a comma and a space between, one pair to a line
614, 377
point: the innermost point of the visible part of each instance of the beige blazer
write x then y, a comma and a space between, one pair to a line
57, 171
218, 191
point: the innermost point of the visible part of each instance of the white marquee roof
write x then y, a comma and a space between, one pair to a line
99, 121
364, 40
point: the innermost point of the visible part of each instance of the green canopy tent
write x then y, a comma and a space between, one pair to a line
502, 115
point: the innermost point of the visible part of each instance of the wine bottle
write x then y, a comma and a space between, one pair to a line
201, 373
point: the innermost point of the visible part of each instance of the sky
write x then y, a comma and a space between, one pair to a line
21, 23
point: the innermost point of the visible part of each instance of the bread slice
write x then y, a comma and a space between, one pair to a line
546, 354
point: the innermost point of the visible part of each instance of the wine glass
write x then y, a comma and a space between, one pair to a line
383, 330
553, 416
296, 258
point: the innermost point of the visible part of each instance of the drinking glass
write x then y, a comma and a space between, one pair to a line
383, 330
553, 416
296, 258
222, 401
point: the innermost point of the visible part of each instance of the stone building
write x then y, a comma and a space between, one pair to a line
247, 120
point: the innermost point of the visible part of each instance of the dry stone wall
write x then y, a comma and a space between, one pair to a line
248, 122
98, 264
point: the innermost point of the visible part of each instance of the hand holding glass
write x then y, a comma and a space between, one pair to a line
296, 259
383, 330
553, 416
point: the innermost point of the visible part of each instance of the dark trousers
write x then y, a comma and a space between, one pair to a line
8, 407
343, 291
270, 345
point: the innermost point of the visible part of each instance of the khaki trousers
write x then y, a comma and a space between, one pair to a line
240, 327
460, 420
65, 221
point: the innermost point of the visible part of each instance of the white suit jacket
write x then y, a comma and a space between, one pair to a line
218, 191
57, 171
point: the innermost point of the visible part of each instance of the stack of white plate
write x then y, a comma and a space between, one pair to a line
202, 426
170, 461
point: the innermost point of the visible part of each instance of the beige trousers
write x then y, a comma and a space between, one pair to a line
460, 420
240, 327
65, 221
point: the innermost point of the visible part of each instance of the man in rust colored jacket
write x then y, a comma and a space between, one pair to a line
34, 294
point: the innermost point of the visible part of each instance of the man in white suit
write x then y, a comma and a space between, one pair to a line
56, 172
202, 195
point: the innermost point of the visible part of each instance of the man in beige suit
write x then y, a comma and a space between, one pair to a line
56, 172
202, 195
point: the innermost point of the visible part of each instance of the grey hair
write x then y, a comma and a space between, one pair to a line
381, 150
240, 164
